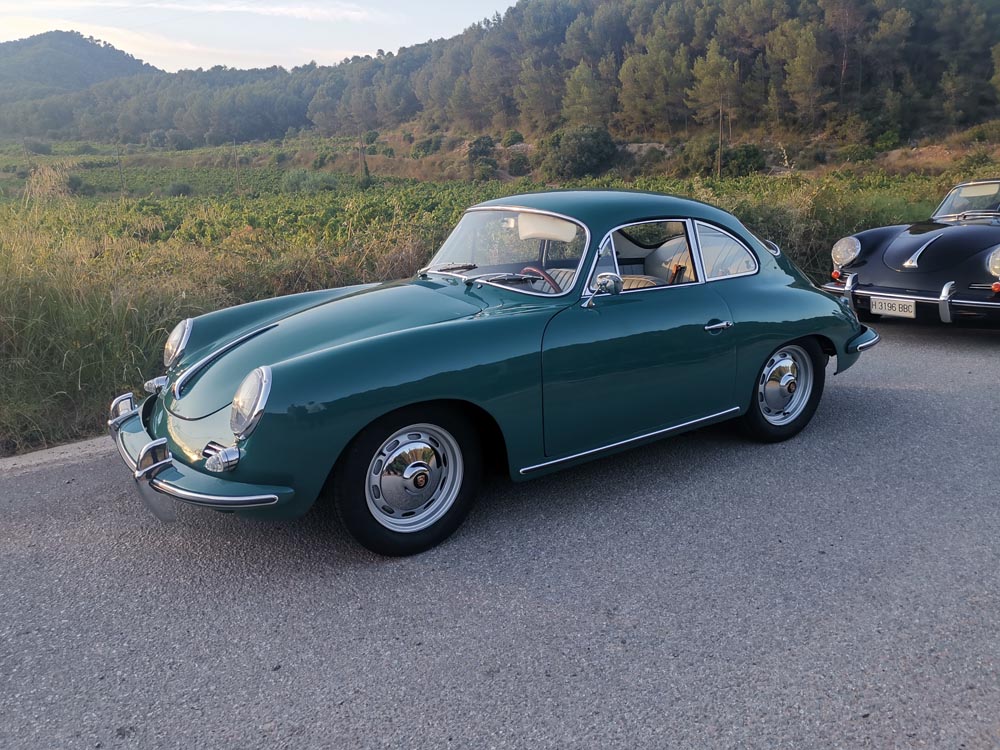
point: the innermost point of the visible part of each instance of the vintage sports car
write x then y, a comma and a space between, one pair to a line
947, 267
548, 329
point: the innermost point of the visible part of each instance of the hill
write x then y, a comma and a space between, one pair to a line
876, 72
58, 62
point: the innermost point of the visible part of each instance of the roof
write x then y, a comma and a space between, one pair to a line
603, 210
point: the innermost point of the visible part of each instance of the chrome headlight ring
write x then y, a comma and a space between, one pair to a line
845, 251
993, 262
177, 342
249, 402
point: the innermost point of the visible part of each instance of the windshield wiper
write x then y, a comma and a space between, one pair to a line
505, 278
448, 268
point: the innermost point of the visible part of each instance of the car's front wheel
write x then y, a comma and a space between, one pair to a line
407, 481
787, 391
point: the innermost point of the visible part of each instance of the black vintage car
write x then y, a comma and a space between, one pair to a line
947, 267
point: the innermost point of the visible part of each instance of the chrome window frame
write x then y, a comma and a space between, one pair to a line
541, 212
589, 294
735, 239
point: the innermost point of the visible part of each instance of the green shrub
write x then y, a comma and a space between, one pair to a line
370, 137
742, 161
698, 156
887, 141
37, 147
519, 164
576, 152
856, 153
511, 138
426, 146
177, 189
485, 169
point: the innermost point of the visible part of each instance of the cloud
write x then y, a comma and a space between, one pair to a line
171, 54
306, 10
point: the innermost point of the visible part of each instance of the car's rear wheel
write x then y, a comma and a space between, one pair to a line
407, 481
786, 392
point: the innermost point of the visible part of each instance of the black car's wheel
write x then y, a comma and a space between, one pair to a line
407, 481
786, 392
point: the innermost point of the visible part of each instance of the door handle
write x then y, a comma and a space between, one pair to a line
721, 326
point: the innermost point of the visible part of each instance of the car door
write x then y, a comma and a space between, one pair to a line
647, 359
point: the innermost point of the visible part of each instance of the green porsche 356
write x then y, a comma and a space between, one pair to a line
662, 314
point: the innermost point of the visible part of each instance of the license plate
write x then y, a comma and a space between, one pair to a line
900, 308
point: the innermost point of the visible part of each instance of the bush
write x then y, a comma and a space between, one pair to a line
577, 152
370, 137
856, 152
698, 156
76, 186
742, 161
481, 148
84, 149
511, 138
178, 189
519, 164
485, 169
177, 141
426, 146
38, 147
887, 141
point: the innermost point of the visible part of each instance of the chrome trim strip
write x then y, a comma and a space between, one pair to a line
850, 285
215, 501
973, 303
692, 240
944, 302
201, 364
120, 445
984, 287
540, 212
664, 431
738, 241
915, 258
869, 344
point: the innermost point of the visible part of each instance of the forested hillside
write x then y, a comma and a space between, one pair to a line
58, 62
642, 68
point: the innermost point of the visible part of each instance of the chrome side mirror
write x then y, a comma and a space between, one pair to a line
605, 283
609, 283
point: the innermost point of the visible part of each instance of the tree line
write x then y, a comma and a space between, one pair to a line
640, 68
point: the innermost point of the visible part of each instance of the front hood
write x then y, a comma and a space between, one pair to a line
944, 245
373, 311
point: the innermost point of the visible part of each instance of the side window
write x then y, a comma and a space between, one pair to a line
723, 255
655, 253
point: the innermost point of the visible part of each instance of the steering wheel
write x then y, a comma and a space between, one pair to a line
556, 289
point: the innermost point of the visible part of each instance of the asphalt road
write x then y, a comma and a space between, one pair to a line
838, 590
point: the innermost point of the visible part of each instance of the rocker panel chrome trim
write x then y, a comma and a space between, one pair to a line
592, 451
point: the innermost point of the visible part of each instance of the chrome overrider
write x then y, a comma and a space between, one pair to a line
944, 301
154, 459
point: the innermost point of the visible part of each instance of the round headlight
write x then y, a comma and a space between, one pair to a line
248, 403
846, 250
176, 342
993, 263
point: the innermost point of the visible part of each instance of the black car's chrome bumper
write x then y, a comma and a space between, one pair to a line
947, 305
161, 480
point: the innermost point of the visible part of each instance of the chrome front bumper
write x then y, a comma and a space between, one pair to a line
161, 480
945, 301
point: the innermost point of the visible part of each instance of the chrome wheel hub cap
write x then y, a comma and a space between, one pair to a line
414, 478
785, 385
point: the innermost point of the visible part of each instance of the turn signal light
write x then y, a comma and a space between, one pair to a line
835, 275
996, 287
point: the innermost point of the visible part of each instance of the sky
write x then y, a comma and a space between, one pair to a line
176, 34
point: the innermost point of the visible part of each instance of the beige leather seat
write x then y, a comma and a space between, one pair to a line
636, 281
672, 254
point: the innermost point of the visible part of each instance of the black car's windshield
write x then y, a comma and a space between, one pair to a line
527, 251
978, 198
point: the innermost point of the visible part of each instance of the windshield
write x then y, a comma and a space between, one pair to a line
529, 252
982, 197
